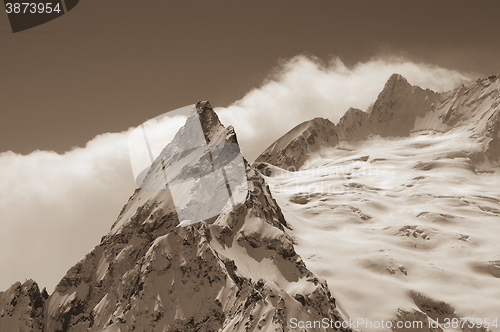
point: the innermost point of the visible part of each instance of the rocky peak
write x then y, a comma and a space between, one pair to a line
292, 149
22, 307
475, 109
395, 83
398, 105
352, 125
209, 120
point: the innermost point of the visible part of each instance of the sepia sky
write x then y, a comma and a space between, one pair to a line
109, 65
71, 89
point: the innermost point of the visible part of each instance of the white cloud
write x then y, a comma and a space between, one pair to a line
303, 88
55, 208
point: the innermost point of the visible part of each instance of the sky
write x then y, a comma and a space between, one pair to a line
72, 89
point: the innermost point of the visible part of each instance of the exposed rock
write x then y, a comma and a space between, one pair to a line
398, 105
22, 308
434, 316
292, 149
353, 125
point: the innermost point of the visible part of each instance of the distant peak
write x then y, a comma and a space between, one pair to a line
352, 110
319, 120
397, 79
292, 150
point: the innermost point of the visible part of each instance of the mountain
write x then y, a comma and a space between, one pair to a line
398, 105
353, 125
396, 208
401, 110
292, 149
22, 307
162, 267
473, 110
394, 112
402, 217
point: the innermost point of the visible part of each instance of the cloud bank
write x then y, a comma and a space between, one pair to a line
54, 208
304, 87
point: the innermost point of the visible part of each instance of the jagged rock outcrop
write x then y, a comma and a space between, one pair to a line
236, 271
398, 105
492, 151
292, 149
22, 308
353, 125
393, 113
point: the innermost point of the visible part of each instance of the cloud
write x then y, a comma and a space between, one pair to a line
304, 87
54, 208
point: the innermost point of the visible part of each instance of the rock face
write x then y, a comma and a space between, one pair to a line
398, 105
237, 271
353, 125
492, 151
22, 308
292, 149
393, 114
475, 111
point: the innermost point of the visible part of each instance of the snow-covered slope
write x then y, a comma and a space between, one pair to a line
292, 149
408, 202
236, 271
473, 111
384, 219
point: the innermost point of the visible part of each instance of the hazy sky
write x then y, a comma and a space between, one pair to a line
109, 65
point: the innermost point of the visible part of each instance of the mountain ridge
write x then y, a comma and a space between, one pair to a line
402, 109
237, 271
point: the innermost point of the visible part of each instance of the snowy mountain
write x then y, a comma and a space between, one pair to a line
292, 149
235, 271
409, 203
396, 208
400, 110
353, 125
397, 107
